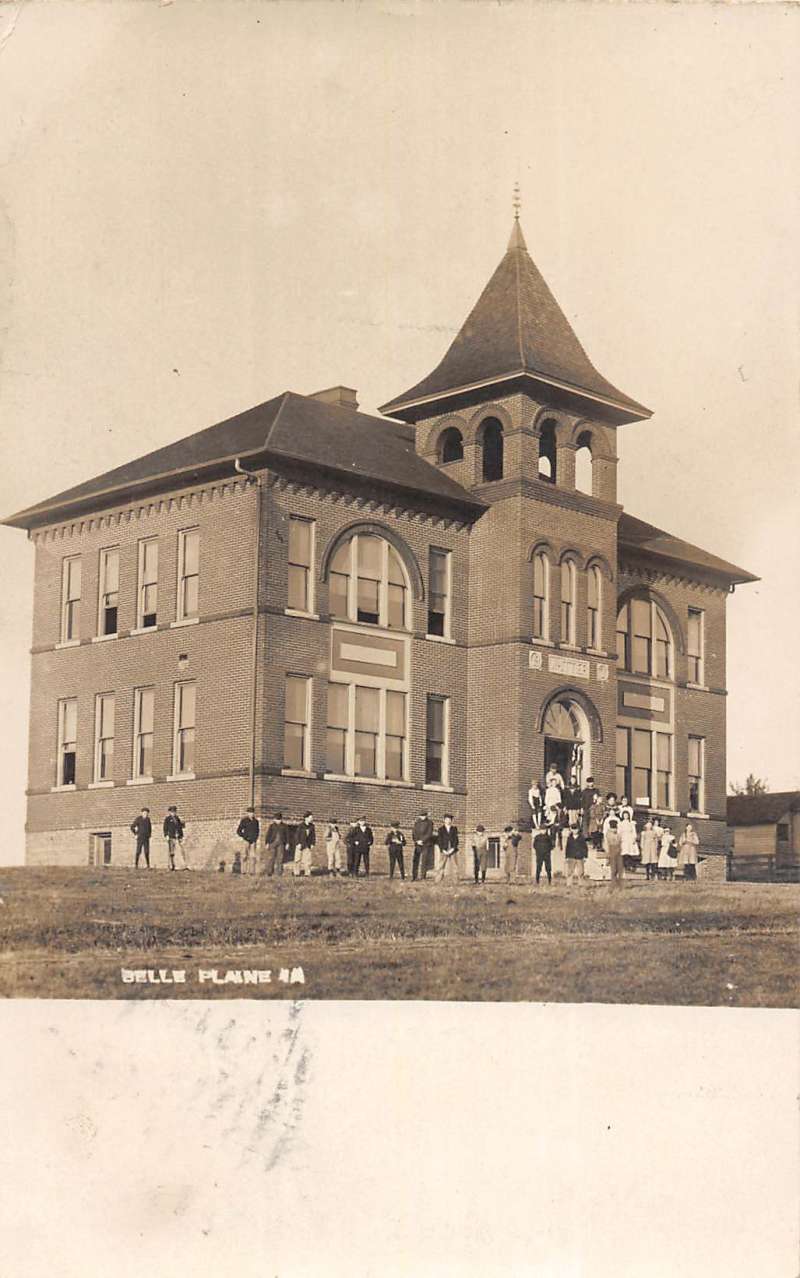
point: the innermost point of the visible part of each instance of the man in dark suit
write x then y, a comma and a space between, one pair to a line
447, 839
275, 841
142, 827
248, 830
305, 841
363, 839
422, 835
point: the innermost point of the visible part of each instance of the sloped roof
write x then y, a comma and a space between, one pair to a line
634, 534
290, 427
762, 809
516, 327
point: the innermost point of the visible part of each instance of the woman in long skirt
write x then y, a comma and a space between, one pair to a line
648, 841
687, 851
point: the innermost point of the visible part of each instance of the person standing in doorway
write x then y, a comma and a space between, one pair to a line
536, 805
248, 831
363, 839
597, 816
480, 853
576, 850
422, 834
543, 850
333, 847
275, 841
687, 852
448, 846
612, 846
395, 842
173, 833
304, 844
588, 795
553, 790
142, 827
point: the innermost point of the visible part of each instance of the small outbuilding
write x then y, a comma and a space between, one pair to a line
766, 825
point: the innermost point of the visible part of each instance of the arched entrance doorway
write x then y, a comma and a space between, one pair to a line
568, 739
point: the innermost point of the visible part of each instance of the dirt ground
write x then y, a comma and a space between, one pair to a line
71, 934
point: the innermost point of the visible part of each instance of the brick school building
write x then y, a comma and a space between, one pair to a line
333, 611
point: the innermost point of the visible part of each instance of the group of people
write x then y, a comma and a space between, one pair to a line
602, 831
597, 837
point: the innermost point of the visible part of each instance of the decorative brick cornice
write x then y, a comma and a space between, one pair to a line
541, 490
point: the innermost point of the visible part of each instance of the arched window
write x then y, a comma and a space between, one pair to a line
367, 582
547, 451
451, 445
583, 464
492, 448
541, 575
644, 639
594, 597
568, 602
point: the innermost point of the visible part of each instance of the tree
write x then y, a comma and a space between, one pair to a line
752, 785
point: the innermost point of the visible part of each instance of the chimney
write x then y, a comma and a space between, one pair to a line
343, 396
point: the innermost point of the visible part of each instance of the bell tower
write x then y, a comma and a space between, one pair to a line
516, 412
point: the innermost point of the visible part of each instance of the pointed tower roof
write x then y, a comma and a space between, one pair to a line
515, 330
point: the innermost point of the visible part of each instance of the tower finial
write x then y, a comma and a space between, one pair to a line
516, 202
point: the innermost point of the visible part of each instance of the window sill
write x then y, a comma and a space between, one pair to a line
181, 776
140, 781
698, 687
144, 630
62, 789
670, 812
68, 643
336, 776
100, 785
568, 647
440, 789
300, 612
596, 652
297, 772
541, 643
104, 638
440, 639
698, 816
176, 625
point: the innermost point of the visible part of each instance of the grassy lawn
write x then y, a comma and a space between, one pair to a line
67, 933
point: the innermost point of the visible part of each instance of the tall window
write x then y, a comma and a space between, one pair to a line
147, 613
642, 767
103, 736
451, 445
367, 732
301, 558
70, 599
568, 601
67, 741
541, 571
436, 730
108, 592
663, 751
583, 464
696, 769
492, 450
368, 583
439, 592
594, 585
188, 573
644, 641
143, 716
184, 730
623, 775
296, 753
694, 645
547, 451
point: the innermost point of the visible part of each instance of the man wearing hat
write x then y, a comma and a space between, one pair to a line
362, 842
248, 830
275, 845
173, 833
395, 842
305, 840
422, 834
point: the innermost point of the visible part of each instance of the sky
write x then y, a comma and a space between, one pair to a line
207, 203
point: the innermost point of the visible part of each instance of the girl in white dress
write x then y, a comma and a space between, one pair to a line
667, 860
627, 833
553, 789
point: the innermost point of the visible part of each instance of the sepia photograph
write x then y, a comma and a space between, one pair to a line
400, 872
401, 550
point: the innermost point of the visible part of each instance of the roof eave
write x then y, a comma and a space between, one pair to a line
631, 411
734, 576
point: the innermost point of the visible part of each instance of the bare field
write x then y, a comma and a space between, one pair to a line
68, 933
